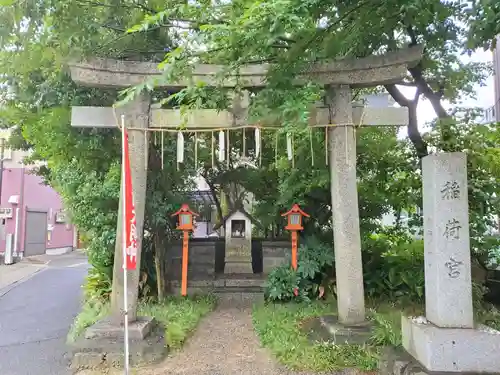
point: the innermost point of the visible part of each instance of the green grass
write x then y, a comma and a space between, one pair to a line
180, 316
91, 313
488, 315
278, 327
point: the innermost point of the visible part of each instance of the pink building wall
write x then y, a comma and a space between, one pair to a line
33, 194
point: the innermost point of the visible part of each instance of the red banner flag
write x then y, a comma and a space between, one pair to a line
129, 232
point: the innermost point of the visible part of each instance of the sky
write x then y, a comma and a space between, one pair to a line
485, 95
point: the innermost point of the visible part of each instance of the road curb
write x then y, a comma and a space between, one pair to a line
6, 289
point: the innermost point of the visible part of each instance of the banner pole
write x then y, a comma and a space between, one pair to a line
124, 240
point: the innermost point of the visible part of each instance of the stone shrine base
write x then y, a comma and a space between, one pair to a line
451, 349
238, 265
102, 345
327, 328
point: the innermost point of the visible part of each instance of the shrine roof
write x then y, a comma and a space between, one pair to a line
234, 211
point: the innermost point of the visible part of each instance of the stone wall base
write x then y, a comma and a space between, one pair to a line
100, 348
452, 349
251, 284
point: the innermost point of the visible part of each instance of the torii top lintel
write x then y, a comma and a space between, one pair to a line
363, 72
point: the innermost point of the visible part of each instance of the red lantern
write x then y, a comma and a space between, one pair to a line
294, 224
295, 218
185, 224
185, 218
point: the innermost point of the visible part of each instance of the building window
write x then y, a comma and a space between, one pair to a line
238, 228
6, 213
60, 217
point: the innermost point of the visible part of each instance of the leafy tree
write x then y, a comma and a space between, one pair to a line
37, 39
290, 34
484, 24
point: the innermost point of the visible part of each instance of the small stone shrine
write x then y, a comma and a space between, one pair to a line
238, 225
446, 339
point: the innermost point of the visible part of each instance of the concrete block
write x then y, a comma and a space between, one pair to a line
138, 329
452, 349
107, 352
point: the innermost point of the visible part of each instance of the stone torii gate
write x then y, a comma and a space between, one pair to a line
337, 112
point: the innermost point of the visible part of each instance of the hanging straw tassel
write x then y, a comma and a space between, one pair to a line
213, 150
146, 149
162, 144
260, 154
346, 145
257, 142
311, 145
156, 138
244, 143
195, 151
276, 150
228, 149
222, 147
289, 150
326, 145
180, 147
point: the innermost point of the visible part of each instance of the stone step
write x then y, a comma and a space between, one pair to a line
223, 283
239, 299
256, 293
234, 289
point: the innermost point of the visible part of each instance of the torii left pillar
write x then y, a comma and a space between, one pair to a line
136, 116
102, 336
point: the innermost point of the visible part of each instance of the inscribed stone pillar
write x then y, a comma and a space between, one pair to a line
448, 290
136, 116
347, 241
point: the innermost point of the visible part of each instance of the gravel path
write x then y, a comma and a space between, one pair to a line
224, 344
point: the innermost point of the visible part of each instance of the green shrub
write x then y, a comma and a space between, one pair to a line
285, 284
97, 285
394, 267
92, 311
386, 330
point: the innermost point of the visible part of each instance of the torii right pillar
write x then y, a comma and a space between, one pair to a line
345, 210
365, 72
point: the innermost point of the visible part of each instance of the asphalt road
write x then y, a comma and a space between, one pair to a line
35, 317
